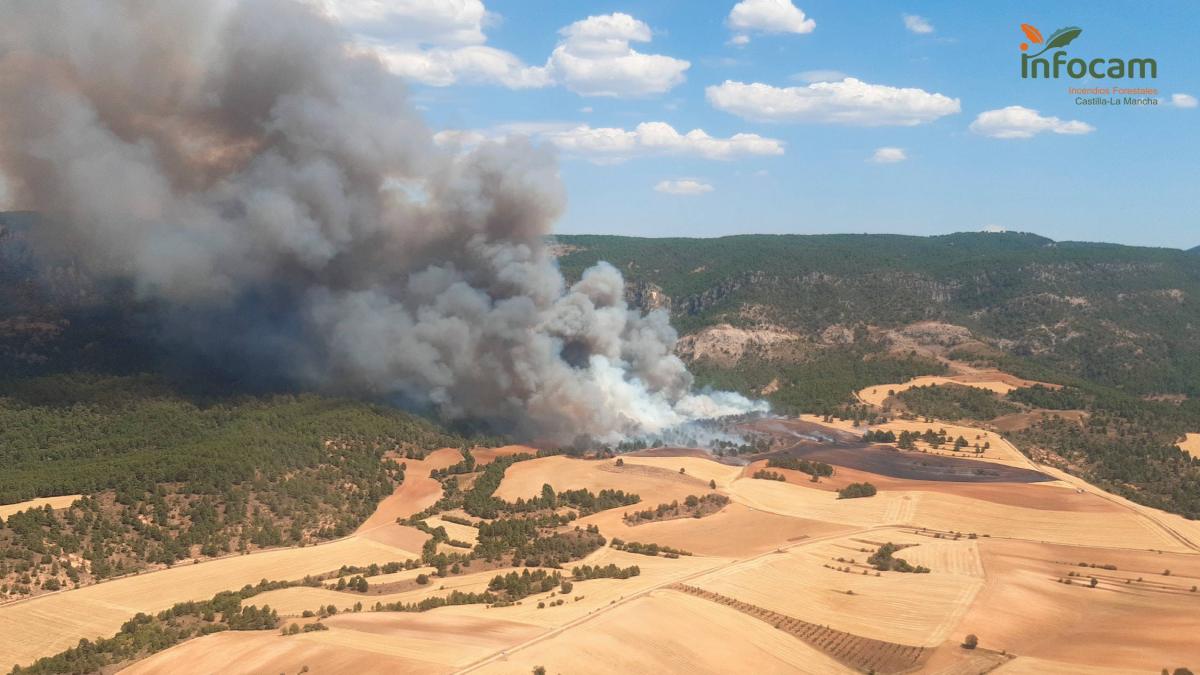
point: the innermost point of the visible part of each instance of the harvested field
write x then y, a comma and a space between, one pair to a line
1183, 531
654, 570
455, 530
841, 444
525, 479
950, 512
400, 536
669, 631
877, 394
1027, 665
395, 577
1120, 529
1053, 495
1023, 420
952, 659
366, 642
864, 654
734, 531
704, 467
247, 653
1001, 451
50, 623
811, 428
1128, 627
416, 493
885, 508
596, 594
766, 565
489, 455
807, 583
1190, 444
293, 601
62, 502
992, 380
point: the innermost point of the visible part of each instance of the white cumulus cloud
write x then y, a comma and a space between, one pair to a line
608, 145
442, 67
849, 101
683, 186
438, 42
446, 22
1020, 122
595, 59
889, 155
767, 16
1183, 100
658, 138
917, 24
443, 42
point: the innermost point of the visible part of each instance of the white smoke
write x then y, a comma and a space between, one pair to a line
240, 163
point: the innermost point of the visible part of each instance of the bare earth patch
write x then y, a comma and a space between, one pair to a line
63, 502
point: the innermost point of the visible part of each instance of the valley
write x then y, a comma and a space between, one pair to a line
1020, 554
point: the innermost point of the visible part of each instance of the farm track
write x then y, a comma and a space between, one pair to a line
726, 568
865, 654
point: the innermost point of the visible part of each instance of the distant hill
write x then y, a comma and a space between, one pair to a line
1119, 315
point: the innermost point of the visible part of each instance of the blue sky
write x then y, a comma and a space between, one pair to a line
1119, 174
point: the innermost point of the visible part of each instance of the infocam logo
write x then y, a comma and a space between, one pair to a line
1054, 65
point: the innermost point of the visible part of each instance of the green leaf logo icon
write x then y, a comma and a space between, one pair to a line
1061, 38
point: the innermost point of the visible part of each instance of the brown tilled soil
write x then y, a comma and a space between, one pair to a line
1024, 420
417, 492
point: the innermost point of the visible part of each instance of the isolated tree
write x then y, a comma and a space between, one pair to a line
970, 642
620, 462
1093, 582
712, 484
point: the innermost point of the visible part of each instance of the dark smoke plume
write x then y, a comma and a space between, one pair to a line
237, 162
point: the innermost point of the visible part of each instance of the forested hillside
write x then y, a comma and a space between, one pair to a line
1117, 315
168, 476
